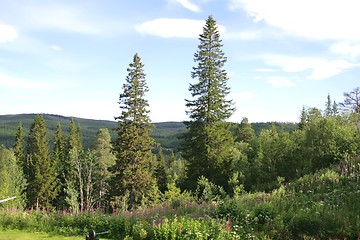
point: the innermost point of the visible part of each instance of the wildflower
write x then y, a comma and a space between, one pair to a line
228, 225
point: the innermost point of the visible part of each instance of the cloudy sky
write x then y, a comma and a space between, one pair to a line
70, 57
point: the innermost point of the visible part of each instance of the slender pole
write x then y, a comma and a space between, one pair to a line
7, 199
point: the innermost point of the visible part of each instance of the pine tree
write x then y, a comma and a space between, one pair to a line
105, 158
245, 132
208, 141
72, 169
19, 147
42, 175
328, 108
352, 100
160, 171
303, 119
75, 163
59, 158
133, 144
335, 109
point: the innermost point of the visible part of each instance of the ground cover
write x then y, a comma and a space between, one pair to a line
23, 235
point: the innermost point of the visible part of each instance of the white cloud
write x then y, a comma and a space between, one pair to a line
189, 5
320, 19
265, 70
320, 68
170, 27
246, 35
56, 48
280, 82
70, 18
10, 82
8, 33
345, 48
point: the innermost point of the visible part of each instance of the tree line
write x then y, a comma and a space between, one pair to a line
124, 173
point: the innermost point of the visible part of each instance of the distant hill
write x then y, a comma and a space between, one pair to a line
167, 134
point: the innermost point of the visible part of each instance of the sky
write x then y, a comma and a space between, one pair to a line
70, 57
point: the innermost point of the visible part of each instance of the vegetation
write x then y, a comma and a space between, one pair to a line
132, 179
228, 181
207, 145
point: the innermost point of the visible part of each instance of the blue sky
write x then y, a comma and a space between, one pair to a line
70, 57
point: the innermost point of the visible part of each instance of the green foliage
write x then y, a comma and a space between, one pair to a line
160, 171
245, 132
323, 205
133, 145
12, 181
104, 158
40, 170
208, 141
207, 191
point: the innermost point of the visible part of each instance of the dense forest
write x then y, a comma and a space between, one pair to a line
167, 134
123, 168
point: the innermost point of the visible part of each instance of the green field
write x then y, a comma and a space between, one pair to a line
22, 235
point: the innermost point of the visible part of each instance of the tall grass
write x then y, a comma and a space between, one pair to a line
324, 205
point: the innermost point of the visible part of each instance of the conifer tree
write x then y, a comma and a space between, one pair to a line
160, 171
19, 147
328, 107
105, 158
245, 132
335, 109
133, 144
75, 162
303, 119
208, 141
42, 178
72, 169
59, 158
352, 100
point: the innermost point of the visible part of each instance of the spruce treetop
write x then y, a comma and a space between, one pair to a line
132, 101
210, 103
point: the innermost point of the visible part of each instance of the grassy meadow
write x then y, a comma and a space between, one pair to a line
324, 205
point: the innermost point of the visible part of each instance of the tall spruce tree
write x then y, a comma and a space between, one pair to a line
19, 147
105, 158
42, 175
133, 145
160, 171
59, 158
209, 140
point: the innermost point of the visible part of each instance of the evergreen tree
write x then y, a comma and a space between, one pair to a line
245, 132
335, 109
105, 158
352, 100
303, 119
160, 171
42, 175
328, 107
19, 147
59, 158
133, 144
172, 159
72, 169
208, 140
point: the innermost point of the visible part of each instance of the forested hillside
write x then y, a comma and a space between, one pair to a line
167, 134
207, 179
